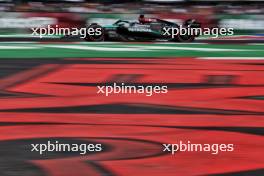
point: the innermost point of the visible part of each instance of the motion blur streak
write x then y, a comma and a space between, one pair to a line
48, 87
209, 101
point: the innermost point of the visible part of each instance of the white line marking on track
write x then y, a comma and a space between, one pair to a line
256, 44
19, 42
231, 58
171, 43
19, 47
94, 48
190, 48
98, 43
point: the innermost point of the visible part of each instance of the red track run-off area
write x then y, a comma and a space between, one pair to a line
209, 101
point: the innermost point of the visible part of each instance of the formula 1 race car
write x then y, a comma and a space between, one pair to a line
145, 29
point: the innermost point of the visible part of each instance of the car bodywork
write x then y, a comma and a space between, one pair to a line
123, 30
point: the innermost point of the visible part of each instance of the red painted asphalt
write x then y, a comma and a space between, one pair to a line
211, 101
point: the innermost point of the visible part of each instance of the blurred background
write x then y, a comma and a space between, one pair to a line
48, 90
17, 16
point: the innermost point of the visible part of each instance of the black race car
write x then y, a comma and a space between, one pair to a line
145, 29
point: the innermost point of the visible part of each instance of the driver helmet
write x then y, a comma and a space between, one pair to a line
141, 18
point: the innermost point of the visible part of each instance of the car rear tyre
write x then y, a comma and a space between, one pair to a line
99, 34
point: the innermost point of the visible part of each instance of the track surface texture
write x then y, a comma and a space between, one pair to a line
210, 100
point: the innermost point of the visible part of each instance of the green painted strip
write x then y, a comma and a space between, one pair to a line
84, 50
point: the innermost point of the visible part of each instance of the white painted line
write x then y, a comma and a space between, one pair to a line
94, 48
18, 47
231, 58
27, 36
256, 44
18, 42
91, 43
189, 48
180, 43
